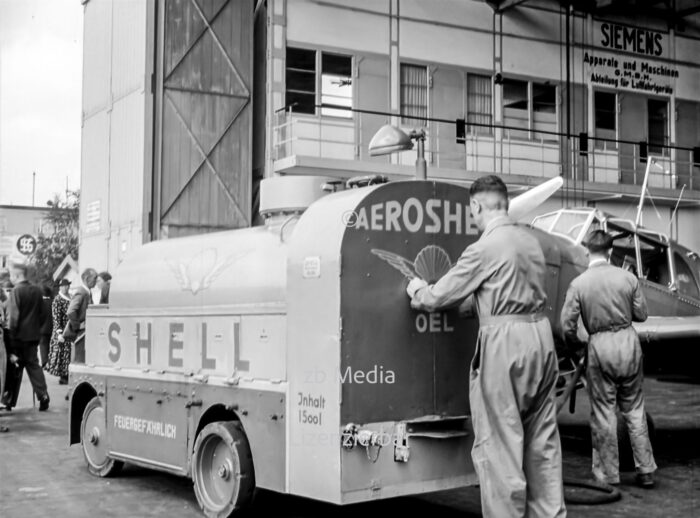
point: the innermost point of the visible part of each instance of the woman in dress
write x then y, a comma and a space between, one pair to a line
59, 348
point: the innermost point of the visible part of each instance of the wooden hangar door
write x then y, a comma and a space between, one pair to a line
203, 117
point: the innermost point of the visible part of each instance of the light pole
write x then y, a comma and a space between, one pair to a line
33, 186
390, 139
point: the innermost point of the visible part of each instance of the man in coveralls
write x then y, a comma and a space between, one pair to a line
609, 299
517, 452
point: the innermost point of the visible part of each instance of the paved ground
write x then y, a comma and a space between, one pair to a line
40, 475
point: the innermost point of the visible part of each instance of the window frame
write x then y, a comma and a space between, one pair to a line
663, 150
414, 120
599, 144
473, 116
318, 110
531, 131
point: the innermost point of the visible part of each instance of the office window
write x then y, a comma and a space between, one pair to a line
657, 112
516, 106
544, 109
336, 85
479, 96
531, 106
414, 94
303, 81
300, 80
605, 106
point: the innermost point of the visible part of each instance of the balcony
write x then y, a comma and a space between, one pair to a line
338, 146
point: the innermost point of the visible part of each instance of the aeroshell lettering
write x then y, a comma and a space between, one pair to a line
433, 216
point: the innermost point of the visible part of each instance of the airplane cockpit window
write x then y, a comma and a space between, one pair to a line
544, 222
684, 276
624, 254
572, 224
655, 266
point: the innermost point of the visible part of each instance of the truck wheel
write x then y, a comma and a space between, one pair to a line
93, 437
222, 469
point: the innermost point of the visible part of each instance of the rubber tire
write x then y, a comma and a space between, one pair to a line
624, 445
109, 467
231, 435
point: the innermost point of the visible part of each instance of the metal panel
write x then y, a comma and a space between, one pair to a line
129, 51
148, 426
427, 353
94, 174
126, 167
97, 49
206, 117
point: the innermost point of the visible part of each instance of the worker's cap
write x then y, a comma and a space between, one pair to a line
598, 241
64, 282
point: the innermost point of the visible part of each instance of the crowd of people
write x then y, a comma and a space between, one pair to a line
42, 329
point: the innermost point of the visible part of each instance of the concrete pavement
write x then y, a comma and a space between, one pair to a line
40, 475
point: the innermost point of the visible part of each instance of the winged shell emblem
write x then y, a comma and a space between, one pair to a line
199, 273
431, 263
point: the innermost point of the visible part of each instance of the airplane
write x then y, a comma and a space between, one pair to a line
668, 272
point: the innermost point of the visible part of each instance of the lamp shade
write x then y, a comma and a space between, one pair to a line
388, 140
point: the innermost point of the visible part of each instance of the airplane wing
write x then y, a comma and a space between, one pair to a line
658, 329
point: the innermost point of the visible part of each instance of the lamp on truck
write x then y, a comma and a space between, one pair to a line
390, 139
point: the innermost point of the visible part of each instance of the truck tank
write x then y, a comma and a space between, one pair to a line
310, 308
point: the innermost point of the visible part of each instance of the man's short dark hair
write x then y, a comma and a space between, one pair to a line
105, 276
598, 241
490, 183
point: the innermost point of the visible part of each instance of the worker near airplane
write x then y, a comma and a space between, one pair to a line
608, 299
517, 451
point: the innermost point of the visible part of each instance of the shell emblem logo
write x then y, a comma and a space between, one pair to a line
431, 263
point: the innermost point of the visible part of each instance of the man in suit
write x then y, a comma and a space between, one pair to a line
77, 311
26, 317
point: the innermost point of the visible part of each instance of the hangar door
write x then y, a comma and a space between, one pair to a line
203, 163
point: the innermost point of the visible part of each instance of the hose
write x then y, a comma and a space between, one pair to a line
597, 492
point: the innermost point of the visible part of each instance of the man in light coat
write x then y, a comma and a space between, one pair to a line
517, 451
608, 299
77, 309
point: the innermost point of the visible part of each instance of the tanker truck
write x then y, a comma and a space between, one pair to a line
286, 356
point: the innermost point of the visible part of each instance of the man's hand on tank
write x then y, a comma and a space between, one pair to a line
414, 285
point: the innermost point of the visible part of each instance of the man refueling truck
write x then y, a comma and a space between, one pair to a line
285, 356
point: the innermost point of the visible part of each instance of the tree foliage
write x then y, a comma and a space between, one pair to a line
58, 237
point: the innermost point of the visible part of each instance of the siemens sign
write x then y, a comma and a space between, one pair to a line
631, 39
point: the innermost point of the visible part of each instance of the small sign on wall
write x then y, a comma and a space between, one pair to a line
93, 212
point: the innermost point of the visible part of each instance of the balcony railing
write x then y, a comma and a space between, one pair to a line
484, 150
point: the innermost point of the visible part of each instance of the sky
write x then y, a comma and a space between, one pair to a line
41, 45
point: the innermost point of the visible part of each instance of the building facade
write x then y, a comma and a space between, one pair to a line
186, 108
